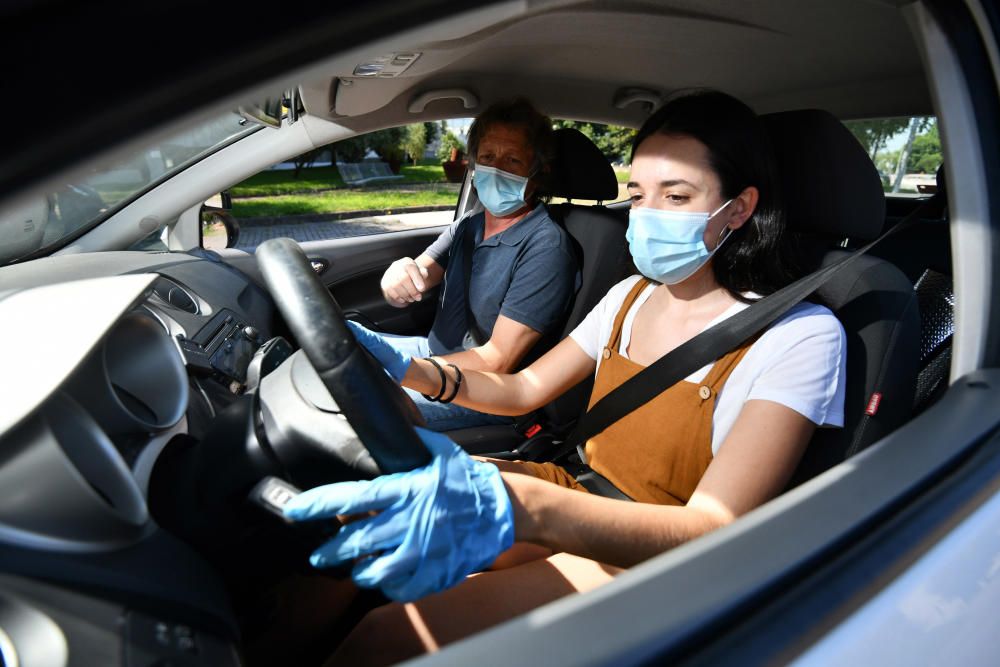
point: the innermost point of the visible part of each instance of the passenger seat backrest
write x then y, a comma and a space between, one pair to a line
581, 171
832, 191
599, 235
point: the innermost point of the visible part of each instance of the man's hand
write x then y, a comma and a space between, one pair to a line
404, 282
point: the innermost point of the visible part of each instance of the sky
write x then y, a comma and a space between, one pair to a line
897, 140
459, 126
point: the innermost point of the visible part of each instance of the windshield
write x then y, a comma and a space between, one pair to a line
75, 207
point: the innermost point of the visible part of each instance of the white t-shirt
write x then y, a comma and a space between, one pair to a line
798, 362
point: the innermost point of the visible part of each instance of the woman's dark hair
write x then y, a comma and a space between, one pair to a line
757, 257
519, 112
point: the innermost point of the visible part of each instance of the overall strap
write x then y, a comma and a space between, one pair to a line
614, 341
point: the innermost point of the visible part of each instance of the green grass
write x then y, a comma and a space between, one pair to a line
314, 179
426, 172
622, 175
343, 200
278, 182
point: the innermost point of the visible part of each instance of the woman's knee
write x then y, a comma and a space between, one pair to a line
384, 636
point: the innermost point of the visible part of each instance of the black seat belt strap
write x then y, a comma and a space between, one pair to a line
706, 347
468, 247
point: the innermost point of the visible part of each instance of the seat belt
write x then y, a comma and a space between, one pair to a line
706, 347
528, 425
468, 247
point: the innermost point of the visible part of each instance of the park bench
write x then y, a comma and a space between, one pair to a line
359, 173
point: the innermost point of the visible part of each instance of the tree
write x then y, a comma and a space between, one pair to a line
386, 143
305, 160
415, 140
433, 131
449, 141
904, 155
925, 154
886, 163
875, 132
917, 124
351, 150
614, 141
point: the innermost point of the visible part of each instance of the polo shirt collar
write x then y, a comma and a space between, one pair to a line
513, 235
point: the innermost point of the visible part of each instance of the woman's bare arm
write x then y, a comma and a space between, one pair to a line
753, 465
504, 394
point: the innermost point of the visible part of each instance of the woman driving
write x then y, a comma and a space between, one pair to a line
707, 235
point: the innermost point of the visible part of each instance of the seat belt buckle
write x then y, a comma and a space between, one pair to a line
529, 425
532, 431
872, 408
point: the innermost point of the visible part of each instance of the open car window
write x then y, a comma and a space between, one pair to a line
905, 149
394, 179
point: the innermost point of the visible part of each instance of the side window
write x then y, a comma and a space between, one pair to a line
385, 181
906, 150
615, 142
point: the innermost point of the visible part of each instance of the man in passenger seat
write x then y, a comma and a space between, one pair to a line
706, 233
523, 271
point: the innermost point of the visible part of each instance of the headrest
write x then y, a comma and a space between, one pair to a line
580, 170
942, 186
828, 183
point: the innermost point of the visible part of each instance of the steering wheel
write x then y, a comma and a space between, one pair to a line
378, 409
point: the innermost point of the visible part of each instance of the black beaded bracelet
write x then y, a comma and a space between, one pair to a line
444, 381
458, 384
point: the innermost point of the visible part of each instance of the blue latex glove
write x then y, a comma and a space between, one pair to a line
395, 362
434, 526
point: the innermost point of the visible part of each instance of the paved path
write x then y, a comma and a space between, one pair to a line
251, 237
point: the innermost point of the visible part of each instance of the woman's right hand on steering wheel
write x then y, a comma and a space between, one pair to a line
429, 527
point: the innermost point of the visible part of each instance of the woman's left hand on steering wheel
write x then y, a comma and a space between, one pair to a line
394, 361
433, 526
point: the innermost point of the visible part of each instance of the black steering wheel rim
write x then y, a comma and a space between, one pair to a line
378, 410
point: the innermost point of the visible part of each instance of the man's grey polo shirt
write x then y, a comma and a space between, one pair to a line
527, 273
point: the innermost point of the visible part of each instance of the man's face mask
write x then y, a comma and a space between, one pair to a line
669, 246
501, 192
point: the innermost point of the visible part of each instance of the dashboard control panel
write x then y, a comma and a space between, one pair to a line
224, 346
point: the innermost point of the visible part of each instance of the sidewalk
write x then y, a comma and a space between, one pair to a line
301, 228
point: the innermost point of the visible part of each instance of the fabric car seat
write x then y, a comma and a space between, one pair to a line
833, 192
580, 172
923, 253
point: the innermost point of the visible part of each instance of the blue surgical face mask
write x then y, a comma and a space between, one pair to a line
669, 246
501, 192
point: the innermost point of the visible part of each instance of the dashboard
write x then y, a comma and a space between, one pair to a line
110, 358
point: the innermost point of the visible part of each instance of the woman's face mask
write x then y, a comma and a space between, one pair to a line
501, 192
669, 246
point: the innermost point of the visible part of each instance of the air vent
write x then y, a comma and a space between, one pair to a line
169, 293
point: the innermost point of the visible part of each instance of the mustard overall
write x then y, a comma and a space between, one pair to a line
659, 452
